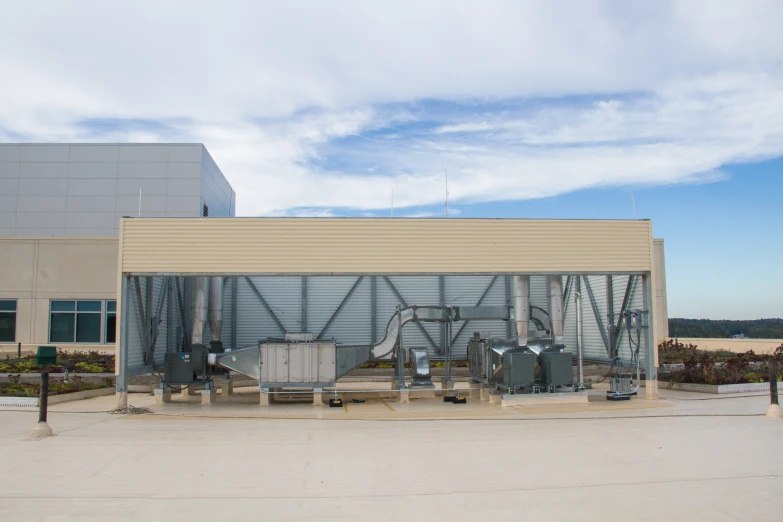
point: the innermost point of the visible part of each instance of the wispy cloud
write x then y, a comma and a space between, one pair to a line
519, 99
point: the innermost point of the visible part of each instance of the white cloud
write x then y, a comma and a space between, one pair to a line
533, 100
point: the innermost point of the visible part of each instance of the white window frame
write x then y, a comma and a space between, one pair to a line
103, 315
15, 311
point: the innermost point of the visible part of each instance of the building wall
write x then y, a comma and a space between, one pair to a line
83, 189
35, 270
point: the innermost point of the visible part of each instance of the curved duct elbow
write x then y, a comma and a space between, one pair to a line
216, 307
522, 307
554, 285
197, 307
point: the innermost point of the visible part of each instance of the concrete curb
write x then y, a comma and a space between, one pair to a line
32, 402
718, 389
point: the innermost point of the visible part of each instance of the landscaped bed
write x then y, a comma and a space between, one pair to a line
681, 364
15, 387
75, 362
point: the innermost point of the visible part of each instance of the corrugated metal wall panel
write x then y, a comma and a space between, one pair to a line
352, 325
466, 291
594, 346
134, 346
383, 246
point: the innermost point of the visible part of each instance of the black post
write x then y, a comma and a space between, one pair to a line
18, 350
773, 380
43, 400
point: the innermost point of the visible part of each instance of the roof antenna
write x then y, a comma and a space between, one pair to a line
633, 202
446, 173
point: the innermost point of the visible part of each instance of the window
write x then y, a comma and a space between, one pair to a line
110, 329
82, 321
7, 320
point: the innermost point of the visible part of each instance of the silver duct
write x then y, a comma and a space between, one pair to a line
554, 285
216, 306
197, 291
522, 307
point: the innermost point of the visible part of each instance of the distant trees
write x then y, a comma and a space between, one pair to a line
755, 329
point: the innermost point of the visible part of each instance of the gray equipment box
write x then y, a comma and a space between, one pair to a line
178, 368
519, 369
556, 368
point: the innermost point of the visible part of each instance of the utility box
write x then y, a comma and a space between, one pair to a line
46, 355
519, 369
178, 368
556, 368
306, 364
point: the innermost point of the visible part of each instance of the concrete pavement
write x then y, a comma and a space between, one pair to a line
717, 466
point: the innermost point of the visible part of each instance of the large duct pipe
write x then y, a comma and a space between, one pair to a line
522, 307
197, 303
216, 307
554, 285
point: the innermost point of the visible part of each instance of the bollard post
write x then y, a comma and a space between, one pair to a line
18, 350
774, 409
42, 429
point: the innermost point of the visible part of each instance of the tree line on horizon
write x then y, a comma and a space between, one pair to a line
711, 328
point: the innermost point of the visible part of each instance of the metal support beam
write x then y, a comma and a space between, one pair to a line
170, 342
507, 289
143, 320
478, 303
566, 294
266, 306
623, 308
121, 383
442, 302
404, 304
304, 303
155, 320
597, 315
650, 370
234, 285
340, 307
374, 309
182, 317
612, 334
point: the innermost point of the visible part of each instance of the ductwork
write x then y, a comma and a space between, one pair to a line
554, 285
216, 307
522, 307
197, 294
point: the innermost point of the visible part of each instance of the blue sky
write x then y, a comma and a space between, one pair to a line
324, 108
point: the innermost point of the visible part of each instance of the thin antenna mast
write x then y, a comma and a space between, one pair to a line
633, 202
446, 173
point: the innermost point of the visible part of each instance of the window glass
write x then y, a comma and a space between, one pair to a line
88, 328
88, 306
63, 306
61, 327
7, 305
111, 328
111, 306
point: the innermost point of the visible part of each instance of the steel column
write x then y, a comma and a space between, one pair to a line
442, 302
266, 306
123, 337
507, 290
623, 308
340, 307
304, 304
234, 285
374, 309
612, 333
170, 343
650, 370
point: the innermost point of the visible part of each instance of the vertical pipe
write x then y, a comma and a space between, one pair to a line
522, 307
579, 347
650, 371
442, 303
198, 308
171, 344
43, 399
216, 308
509, 302
123, 337
234, 284
304, 304
373, 309
400, 355
555, 293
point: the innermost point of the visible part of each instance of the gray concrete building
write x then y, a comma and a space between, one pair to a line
83, 189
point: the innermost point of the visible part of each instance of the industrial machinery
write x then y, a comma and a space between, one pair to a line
421, 377
621, 378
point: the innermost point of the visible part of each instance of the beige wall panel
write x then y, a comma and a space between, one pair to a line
661, 308
389, 246
77, 269
16, 267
